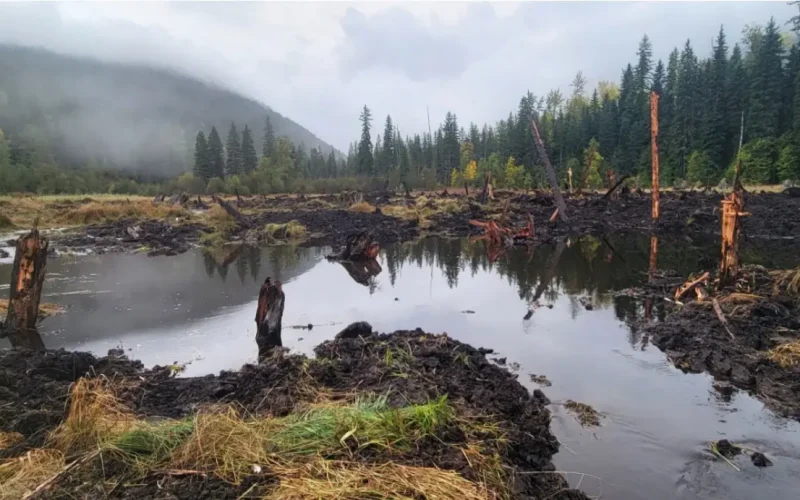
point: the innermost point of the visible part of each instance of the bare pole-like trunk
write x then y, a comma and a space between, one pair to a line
551, 174
732, 209
654, 152
27, 278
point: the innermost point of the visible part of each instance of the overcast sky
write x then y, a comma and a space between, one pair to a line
319, 63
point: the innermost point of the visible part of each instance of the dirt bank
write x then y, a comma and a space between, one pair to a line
757, 351
407, 367
327, 219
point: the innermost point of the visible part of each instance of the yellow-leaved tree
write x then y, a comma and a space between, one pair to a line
455, 177
471, 172
514, 175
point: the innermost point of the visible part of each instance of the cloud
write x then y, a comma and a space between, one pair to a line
319, 63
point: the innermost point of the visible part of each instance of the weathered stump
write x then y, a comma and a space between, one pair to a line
268, 317
27, 277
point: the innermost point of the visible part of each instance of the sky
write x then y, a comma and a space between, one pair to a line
319, 63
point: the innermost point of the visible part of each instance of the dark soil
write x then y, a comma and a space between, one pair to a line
695, 340
436, 365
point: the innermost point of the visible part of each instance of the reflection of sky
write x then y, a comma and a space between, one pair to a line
658, 419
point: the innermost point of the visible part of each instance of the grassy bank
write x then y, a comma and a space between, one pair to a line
350, 447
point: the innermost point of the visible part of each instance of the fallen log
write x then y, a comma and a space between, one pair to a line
358, 246
268, 317
615, 186
27, 277
233, 212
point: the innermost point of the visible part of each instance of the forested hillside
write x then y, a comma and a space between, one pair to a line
61, 111
703, 99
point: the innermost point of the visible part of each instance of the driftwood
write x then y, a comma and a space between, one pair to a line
268, 317
358, 246
233, 212
27, 277
686, 287
615, 186
722, 318
551, 174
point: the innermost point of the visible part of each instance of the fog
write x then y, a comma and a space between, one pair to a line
319, 63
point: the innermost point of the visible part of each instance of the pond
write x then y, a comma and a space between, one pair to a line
530, 306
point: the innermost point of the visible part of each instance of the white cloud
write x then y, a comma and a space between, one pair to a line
318, 63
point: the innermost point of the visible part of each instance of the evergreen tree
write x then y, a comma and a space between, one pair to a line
684, 120
668, 133
268, 145
737, 99
330, 167
450, 146
388, 153
765, 90
365, 158
249, 156
658, 82
715, 122
233, 150
201, 165
215, 155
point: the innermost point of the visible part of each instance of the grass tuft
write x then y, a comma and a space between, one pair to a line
787, 355
291, 230
100, 212
787, 282
9, 439
20, 475
362, 207
338, 479
585, 414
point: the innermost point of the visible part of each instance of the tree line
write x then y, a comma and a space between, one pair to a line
703, 104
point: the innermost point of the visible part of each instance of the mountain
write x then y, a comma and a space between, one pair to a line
77, 111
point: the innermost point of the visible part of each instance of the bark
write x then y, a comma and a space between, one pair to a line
551, 174
27, 277
268, 317
233, 212
487, 194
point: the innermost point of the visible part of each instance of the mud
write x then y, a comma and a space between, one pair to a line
695, 340
432, 365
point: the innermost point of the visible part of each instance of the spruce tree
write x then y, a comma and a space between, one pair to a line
715, 122
684, 120
215, 155
387, 162
365, 158
248, 150
765, 90
330, 167
268, 145
233, 152
201, 164
738, 91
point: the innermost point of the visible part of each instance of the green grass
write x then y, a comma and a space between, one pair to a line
291, 230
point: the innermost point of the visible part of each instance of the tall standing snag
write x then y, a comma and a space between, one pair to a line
268, 317
654, 151
27, 277
551, 174
732, 209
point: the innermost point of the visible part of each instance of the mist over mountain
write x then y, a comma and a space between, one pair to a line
137, 118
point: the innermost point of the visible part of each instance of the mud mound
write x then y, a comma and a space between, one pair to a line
408, 367
695, 340
34, 388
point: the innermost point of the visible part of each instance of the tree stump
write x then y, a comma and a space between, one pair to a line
358, 246
268, 317
27, 277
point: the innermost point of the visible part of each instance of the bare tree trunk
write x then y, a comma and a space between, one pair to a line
654, 152
27, 277
551, 174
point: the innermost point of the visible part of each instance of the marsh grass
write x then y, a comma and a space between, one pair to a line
787, 355
291, 230
362, 207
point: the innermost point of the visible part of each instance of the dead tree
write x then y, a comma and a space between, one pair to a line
551, 174
654, 151
615, 186
240, 219
268, 317
27, 277
732, 210
487, 193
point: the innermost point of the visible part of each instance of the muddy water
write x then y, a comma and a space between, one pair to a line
200, 308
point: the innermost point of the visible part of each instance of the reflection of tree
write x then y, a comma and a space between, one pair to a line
363, 272
254, 258
209, 263
241, 267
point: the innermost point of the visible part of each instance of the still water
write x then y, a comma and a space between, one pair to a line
200, 308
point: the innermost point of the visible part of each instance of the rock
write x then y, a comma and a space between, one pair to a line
727, 449
4, 254
759, 460
501, 361
355, 330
